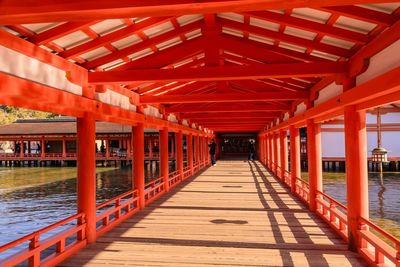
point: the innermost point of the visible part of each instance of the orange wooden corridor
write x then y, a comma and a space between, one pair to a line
232, 214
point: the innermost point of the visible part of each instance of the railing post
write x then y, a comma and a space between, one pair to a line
356, 172
138, 162
164, 157
284, 153
86, 129
190, 152
197, 149
179, 153
295, 168
34, 260
314, 161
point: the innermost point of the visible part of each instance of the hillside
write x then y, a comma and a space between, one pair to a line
10, 114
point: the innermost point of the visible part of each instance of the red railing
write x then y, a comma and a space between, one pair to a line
153, 190
174, 178
333, 212
302, 189
375, 250
287, 178
115, 210
186, 172
52, 249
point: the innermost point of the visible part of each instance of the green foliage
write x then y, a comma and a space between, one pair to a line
11, 114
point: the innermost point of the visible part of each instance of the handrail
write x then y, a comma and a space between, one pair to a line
124, 205
388, 236
328, 210
375, 250
33, 252
154, 189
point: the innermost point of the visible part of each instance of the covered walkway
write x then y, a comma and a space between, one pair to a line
232, 214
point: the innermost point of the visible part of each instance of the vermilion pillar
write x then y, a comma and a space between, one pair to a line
314, 161
189, 141
138, 161
22, 149
43, 148
277, 152
283, 152
197, 148
264, 149
86, 165
179, 153
356, 172
268, 150
164, 157
64, 148
295, 167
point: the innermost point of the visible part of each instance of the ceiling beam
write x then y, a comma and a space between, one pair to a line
22, 11
222, 115
206, 98
309, 25
112, 37
330, 49
227, 108
221, 73
124, 52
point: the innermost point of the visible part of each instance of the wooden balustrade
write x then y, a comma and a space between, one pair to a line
333, 212
153, 190
115, 210
377, 246
174, 178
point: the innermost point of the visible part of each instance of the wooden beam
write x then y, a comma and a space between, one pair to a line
124, 52
222, 115
309, 25
22, 11
227, 108
205, 98
221, 73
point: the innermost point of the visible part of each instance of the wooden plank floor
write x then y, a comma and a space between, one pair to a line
233, 214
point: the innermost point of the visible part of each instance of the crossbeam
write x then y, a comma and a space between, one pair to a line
204, 98
221, 73
22, 11
228, 108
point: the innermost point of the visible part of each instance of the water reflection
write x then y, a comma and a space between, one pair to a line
384, 196
27, 209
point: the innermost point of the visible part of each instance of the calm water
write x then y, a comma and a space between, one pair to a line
33, 198
50, 196
384, 198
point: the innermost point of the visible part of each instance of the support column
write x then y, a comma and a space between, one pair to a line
108, 148
268, 151
295, 167
356, 172
22, 149
179, 153
64, 148
150, 147
272, 154
190, 152
314, 161
283, 152
164, 157
197, 149
86, 165
42, 148
277, 153
138, 162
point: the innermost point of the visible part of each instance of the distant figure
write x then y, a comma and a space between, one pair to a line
251, 150
102, 148
212, 146
39, 148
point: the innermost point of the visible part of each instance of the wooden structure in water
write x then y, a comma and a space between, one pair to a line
200, 69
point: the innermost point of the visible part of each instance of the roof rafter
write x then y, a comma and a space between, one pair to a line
111, 37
